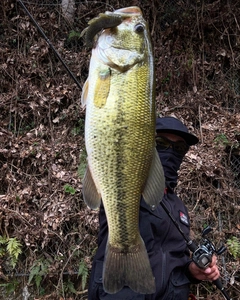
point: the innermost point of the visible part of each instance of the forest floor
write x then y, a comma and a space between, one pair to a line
42, 153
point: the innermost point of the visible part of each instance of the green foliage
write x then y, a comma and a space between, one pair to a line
166, 79
11, 248
69, 189
234, 247
37, 272
221, 139
79, 129
3, 241
14, 250
83, 272
236, 146
73, 34
69, 287
10, 287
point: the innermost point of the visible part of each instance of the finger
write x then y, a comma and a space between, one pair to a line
213, 275
214, 261
207, 271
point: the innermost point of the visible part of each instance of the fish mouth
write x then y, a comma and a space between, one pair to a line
108, 20
132, 10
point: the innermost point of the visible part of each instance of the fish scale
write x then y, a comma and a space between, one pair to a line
123, 164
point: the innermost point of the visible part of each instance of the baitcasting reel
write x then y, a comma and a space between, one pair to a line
202, 256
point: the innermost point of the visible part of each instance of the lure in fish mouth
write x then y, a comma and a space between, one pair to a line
96, 25
106, 20
123, 164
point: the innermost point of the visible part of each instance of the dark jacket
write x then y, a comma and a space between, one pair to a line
167, 250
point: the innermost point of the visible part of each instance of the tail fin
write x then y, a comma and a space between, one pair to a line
128, 269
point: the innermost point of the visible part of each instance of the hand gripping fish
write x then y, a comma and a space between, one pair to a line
123, 163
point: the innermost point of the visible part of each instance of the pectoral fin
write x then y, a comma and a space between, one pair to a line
90, 193
102, 88
155, 185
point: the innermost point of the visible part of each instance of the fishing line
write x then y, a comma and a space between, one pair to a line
50, 44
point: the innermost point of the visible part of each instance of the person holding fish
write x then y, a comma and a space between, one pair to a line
140, 254
169, 256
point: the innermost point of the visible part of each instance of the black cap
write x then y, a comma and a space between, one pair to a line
175, 126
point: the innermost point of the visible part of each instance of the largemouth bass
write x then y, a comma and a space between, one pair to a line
123, 163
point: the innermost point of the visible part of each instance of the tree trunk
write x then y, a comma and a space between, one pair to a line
68, 10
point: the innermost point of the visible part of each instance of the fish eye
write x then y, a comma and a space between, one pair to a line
139, 28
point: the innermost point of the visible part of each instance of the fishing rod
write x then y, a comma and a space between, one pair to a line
50, 44
202, 254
